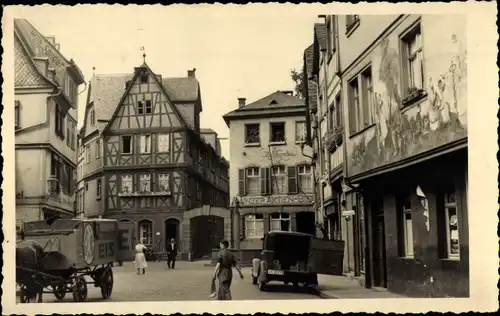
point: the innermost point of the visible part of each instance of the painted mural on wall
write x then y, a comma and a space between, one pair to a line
440, 117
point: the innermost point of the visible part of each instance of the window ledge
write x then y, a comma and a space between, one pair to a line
98, 198
252, 144
281, 143
351, 28
299, 142
413, 98
450, 259
126, 154
362, 130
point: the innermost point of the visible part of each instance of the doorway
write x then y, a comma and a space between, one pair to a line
379, 256
305, 222
172, 231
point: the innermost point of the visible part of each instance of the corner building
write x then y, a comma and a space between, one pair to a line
404, 86
147, 161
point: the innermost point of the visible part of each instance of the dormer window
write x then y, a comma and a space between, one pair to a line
273, 102
144, 78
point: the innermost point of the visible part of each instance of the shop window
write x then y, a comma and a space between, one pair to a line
280, 221
254, 225
449, 228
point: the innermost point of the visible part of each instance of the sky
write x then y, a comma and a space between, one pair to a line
238, 51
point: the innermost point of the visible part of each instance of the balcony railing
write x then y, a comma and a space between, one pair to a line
337, 158
333, 138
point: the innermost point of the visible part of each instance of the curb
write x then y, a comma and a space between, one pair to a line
324, 295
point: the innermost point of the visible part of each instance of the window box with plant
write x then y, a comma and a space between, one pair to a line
413, 95
252, 134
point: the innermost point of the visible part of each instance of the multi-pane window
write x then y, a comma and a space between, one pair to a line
59, 122
163, 143
300, 132
98, 148
164, 182
87, 154
406, 228
98, 188
253, 181
252, 134
127, 183
279, 180
280, 221
126, 144
92, 117
145, 144
17, 119
351, 21
146, 233
355, 107
330, 27
413, 54
451, 225
254, 225
149, 107
145, 183
277, 132
140, 107
361, 101
305, 178
368, 110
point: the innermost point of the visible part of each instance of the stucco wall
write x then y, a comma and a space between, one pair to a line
401, 131
33, 116
243, 156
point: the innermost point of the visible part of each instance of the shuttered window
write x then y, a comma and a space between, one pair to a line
292, 180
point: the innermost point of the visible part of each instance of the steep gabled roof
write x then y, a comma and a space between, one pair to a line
106, 91
320, 34
27, 73
276, 102
32, 38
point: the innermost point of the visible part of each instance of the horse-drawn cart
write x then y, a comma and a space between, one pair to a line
61, 257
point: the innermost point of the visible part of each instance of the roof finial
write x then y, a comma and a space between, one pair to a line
93, 70
143, 54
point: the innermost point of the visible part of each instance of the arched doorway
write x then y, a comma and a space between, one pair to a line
145, 232
172, 231
206, 232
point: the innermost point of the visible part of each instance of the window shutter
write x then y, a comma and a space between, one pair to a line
365, 112
292, 180
242, 183
351, 112
242, 227
264, 180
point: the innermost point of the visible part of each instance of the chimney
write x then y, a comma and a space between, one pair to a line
241, 102
192, 73
289, 92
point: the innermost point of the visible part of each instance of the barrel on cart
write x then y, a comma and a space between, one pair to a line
67, 255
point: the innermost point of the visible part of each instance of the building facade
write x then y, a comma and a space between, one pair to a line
271, 173
147, 161
405, 113
46, 102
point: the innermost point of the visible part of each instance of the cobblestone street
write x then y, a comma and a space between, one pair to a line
189, 281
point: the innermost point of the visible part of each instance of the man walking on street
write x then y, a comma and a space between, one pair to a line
171, 253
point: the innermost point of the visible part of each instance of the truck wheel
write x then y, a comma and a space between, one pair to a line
295, 284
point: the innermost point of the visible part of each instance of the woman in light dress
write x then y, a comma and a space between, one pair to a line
140, 258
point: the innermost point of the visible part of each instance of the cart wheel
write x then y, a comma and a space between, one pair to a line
80, 289
25, 295
107, 283
60, 291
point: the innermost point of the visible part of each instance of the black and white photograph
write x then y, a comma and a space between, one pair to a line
260, 154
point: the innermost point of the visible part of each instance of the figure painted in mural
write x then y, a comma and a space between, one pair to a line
381, 122
389, 71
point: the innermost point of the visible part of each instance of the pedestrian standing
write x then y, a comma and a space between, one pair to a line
140, 258
171, 253
224, 271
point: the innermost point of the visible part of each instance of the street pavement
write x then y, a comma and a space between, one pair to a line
189, 281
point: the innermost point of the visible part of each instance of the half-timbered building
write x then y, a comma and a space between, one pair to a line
147, 160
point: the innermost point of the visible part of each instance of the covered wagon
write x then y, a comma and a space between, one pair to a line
61, 256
